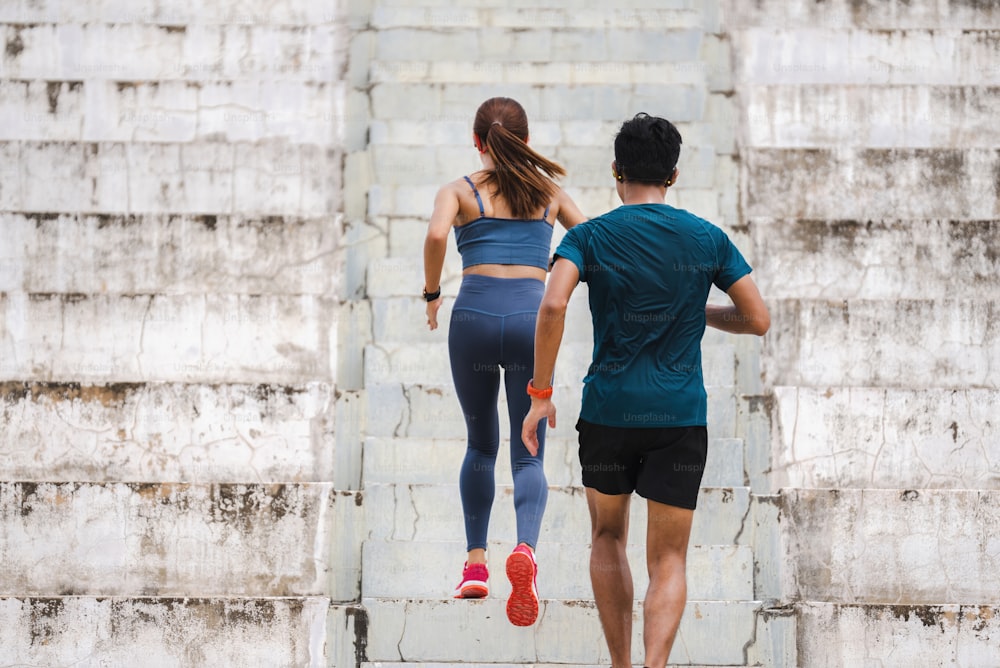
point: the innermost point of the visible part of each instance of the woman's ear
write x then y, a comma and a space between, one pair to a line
477, 143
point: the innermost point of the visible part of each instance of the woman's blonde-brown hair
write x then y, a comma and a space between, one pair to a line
502, 128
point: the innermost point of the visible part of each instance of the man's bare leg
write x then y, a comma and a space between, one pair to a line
609, 572
667, 534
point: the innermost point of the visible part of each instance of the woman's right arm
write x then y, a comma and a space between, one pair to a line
446, 207
569, 214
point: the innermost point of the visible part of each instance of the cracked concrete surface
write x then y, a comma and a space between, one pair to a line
185, 338
166, 432
898, 547
887, 438
162, 539
909, 344
181, 630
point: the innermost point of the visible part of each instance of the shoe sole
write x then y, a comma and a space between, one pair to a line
473, 589
522, 606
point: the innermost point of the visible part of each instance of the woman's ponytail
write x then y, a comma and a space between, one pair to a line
520, 175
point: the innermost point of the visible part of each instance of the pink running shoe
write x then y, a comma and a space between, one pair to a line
475, 578
522, 571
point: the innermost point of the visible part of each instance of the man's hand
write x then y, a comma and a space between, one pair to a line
540, 409
432, 313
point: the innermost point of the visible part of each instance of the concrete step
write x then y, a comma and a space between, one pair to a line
250, 13
835, 635
886, 438
942, 343
144, 51
534, 18
564, 102
568, 5
562, 69
429, 363
894, 56
158, 432
104, 110
891, 14
897, 184
491, 46
211, 338
168, 254
195, 178
900, 547
116, 631
711, 632
876, 259
161, 539
433, 411
430, 513
437, 461
879, 116
414, 570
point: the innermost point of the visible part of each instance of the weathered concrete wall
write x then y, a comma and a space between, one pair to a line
870, 186
957, 635
178, 482
212, 220
162, 539
169, 432
870, 183
164, 631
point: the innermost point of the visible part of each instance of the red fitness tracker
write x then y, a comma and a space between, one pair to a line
539, 394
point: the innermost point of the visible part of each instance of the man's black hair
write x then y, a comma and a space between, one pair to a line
647, 148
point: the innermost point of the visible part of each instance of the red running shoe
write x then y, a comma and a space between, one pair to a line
522, 571
475, 578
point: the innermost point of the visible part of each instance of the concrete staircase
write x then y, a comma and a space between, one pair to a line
870, 186
579, 72
228, 438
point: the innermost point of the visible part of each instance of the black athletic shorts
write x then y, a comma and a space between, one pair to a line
664, 464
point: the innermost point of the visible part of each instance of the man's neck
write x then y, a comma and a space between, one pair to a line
642, 193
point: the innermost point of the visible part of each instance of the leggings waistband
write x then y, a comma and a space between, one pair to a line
499, 296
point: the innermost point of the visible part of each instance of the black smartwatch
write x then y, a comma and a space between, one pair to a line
431, 296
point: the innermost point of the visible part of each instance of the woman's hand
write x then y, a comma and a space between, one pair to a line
432, 313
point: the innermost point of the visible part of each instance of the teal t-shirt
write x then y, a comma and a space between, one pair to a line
649, 269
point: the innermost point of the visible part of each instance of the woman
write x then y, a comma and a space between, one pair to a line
502, 216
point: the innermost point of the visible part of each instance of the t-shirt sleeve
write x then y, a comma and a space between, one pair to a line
572, 248
730, 262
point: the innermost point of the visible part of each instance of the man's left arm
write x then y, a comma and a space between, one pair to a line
548, 337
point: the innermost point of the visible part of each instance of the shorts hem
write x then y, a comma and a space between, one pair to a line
677, 503
598, 489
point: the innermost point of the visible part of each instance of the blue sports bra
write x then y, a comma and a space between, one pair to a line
503, 240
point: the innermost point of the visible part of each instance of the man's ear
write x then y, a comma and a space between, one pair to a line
673, 177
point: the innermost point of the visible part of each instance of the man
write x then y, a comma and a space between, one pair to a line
642, 426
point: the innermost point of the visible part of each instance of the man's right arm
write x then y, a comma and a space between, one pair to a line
746, 315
